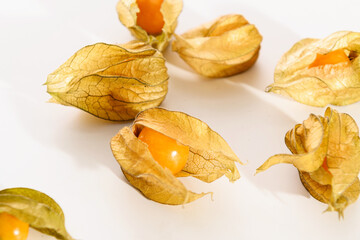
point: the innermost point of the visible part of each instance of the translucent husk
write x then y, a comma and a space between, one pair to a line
337, 84
170, 9
224, 47
113, 82
35, 208
326, 151
210, 156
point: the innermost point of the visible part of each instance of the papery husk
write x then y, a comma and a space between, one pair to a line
113, 82
127, 11
210, 156
334, 139
224, 47
336, 84
35, 208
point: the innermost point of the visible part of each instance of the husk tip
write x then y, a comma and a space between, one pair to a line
257, 171
340, 212
52, 100
243, 163
269, 89
211, 195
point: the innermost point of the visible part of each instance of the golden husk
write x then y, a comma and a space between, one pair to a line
35, 208
170, 9
332, 140
224, 47
113, 82
210, 156
337, 84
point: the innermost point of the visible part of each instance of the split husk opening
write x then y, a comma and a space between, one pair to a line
127, 11
336, 84
210, 156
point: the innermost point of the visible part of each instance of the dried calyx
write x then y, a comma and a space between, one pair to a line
225, 47
34, 208
319, 72
113, 82
326, 151
209, 156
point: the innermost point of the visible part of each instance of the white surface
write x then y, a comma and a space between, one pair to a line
65, 152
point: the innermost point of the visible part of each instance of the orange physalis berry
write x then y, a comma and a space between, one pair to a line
150, 18
12, 228
325, 166
334, 57
165, 150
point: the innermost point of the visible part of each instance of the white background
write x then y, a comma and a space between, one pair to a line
65, 152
